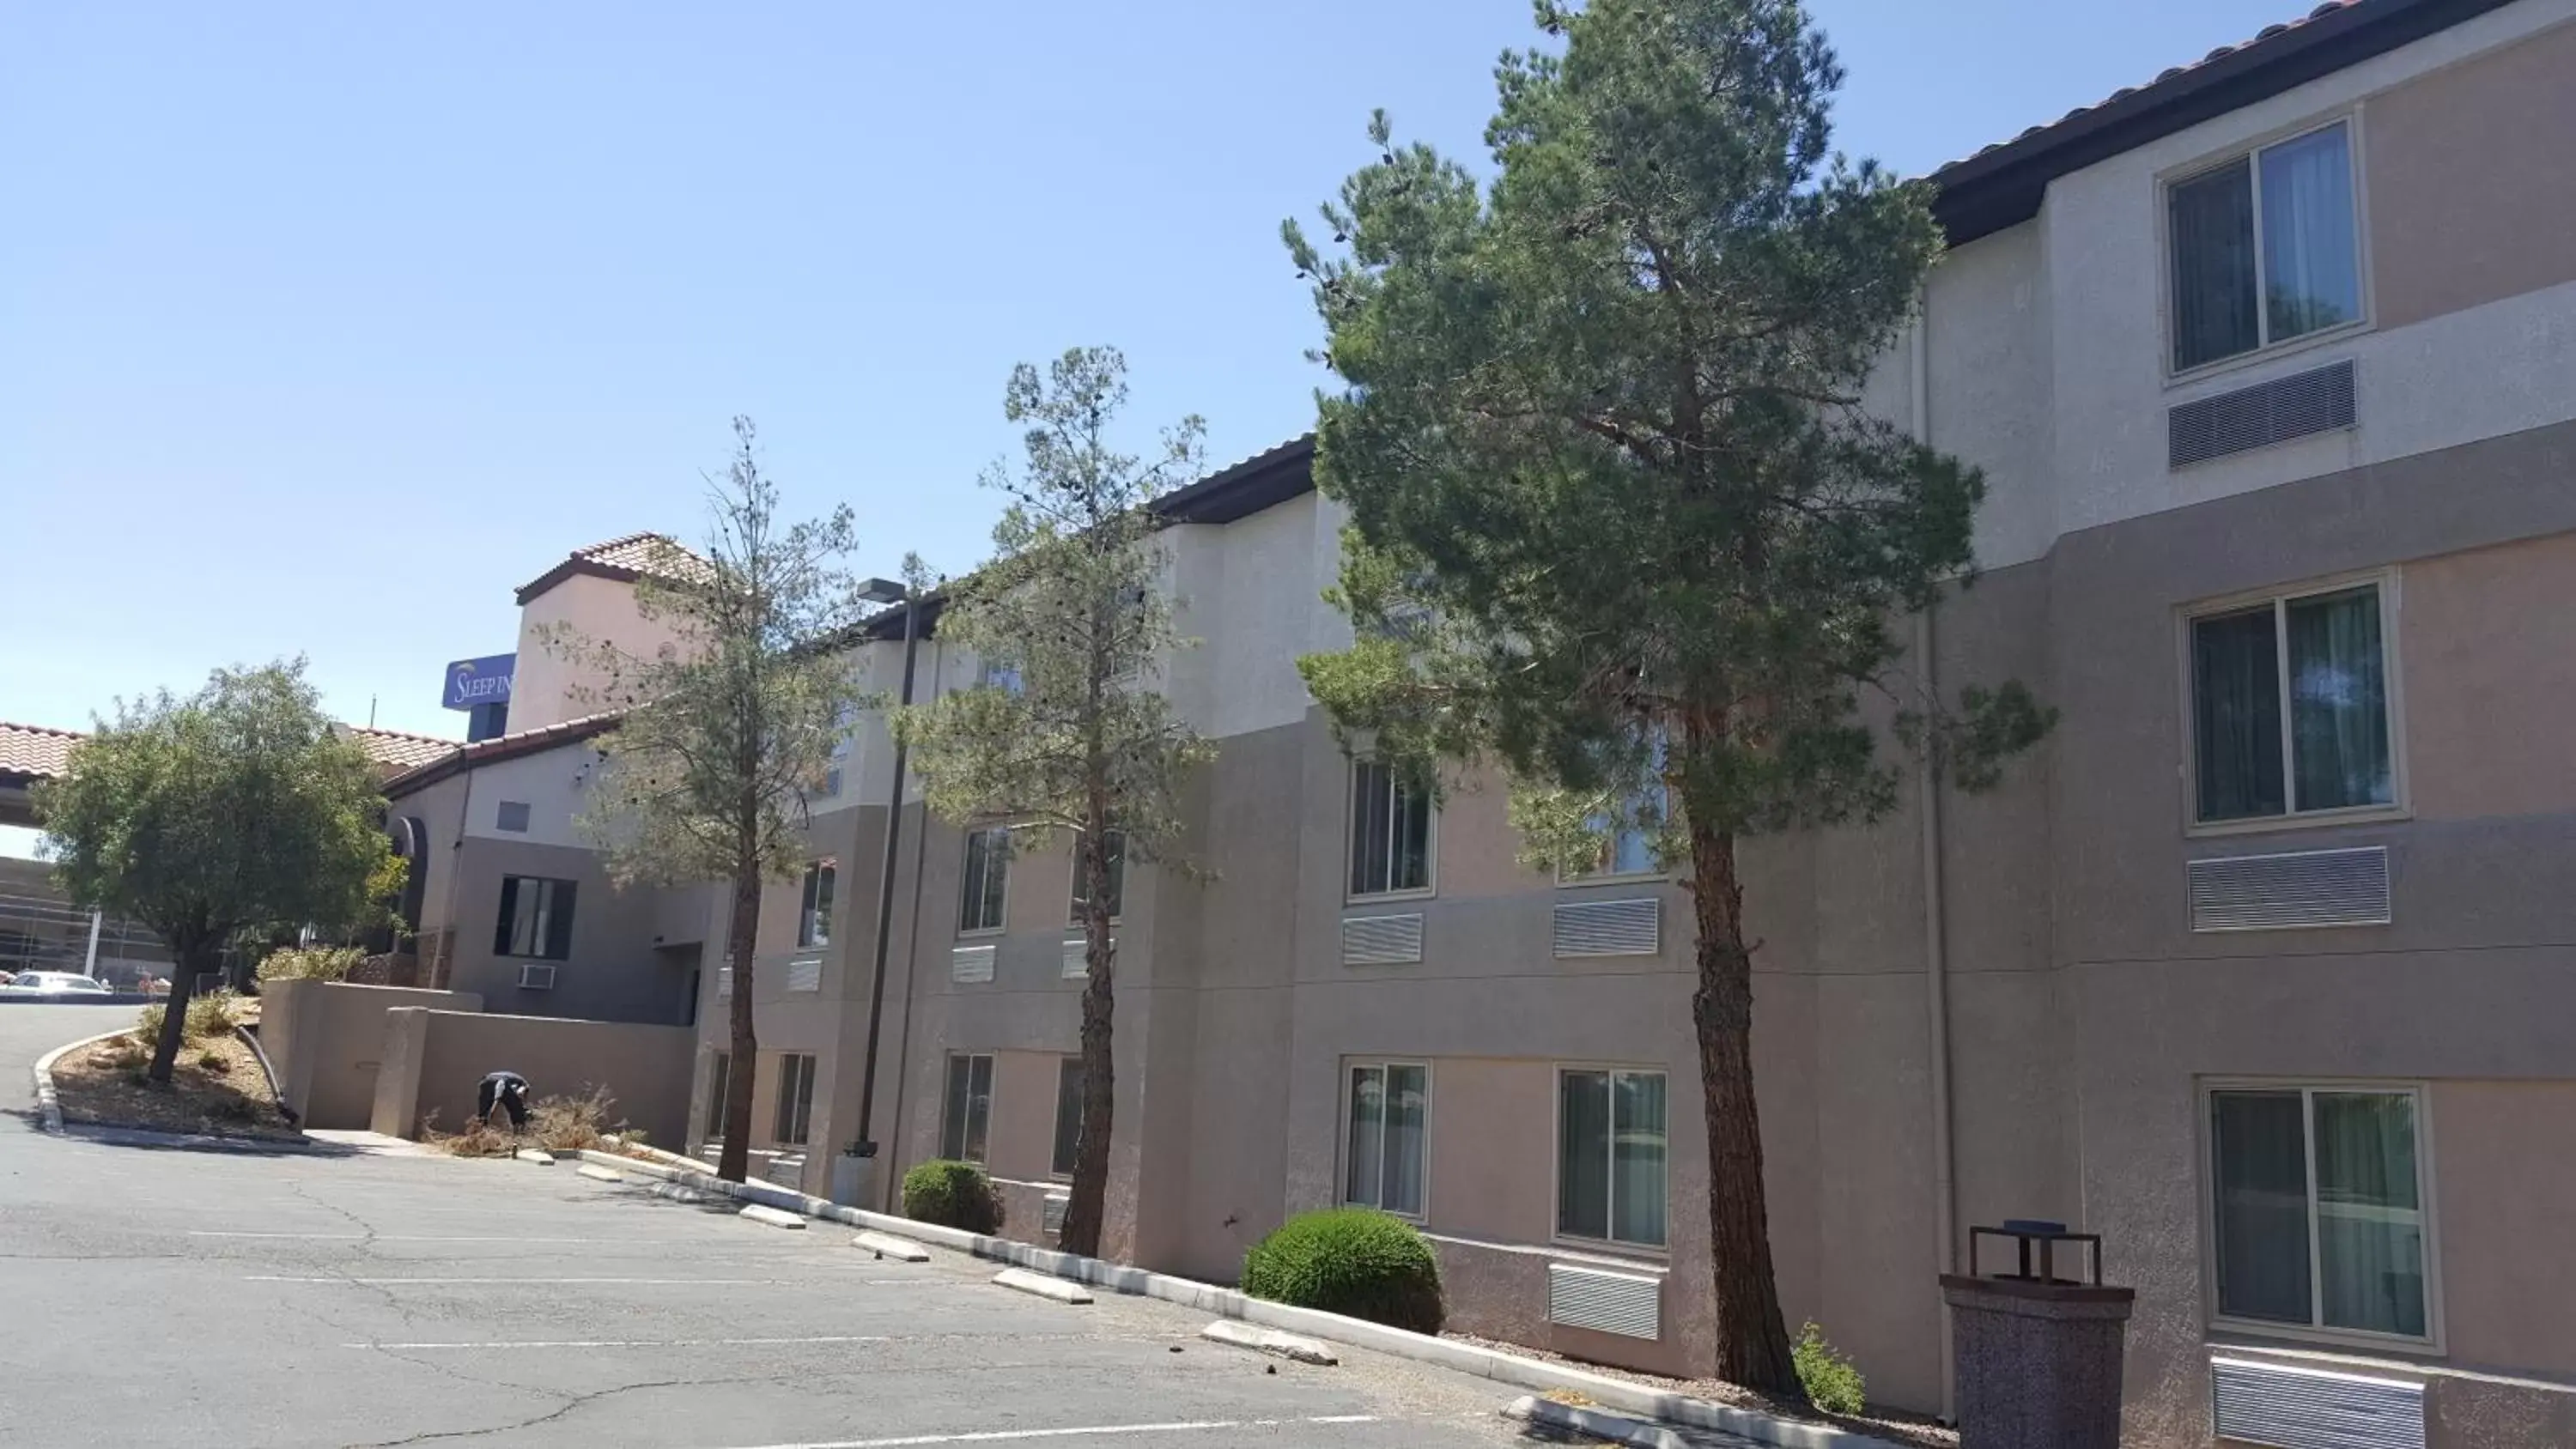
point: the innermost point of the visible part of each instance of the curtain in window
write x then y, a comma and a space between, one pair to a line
1372, 789
1637, 1160
1583, 1155
987, 869
2214, 304
1068, 1114
2262, 1217
2311, 279
1408, 1114
1368, 1135
2236, 707
2370, 1229
2339, 701
1412, 865
969, 1108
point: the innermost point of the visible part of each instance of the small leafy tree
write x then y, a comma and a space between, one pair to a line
1618, 521
219, 814
726, 734
1069, 616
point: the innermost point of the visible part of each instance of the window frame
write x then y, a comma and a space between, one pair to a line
1350, 829
559, 891
1614, 1247
2400, 804
1073, 882
965, 1132
2427, 1177
1350, 1067
966, 854
719, 1082
801, 1114
2251, 152
814, 904
1065, 1173
1566, 880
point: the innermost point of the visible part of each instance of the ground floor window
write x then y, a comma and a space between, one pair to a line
1068, 1115
1390, 1125
795, 1111
1610, 1155
2318, 1207
968, 1114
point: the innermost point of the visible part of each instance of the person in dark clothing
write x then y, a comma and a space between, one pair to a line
507, 1090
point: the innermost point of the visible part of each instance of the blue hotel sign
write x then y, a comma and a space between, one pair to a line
475, 682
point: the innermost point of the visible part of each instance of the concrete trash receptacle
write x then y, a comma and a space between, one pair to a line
2037, 1355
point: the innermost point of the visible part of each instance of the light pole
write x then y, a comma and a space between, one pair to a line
888, 592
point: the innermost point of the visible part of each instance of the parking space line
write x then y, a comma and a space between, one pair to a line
1005, 1436
811, 1280
432, 1238
630, 1343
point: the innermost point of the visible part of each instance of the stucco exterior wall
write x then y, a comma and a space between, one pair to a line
325, 1040
548, 687
434, 1061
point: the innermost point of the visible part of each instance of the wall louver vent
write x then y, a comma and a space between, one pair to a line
2277, 892
1622, 1303
1381, 940
2300, 1408
970, 963
1610, 928
2316, 401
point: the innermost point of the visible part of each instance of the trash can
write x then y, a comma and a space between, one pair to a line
2037, 1348
854, 1175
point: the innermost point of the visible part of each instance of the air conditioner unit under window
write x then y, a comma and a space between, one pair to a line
536, 976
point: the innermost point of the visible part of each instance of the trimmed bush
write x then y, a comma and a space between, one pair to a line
952, 1195
1827, 1374
1354, 1261
209, 1015
311, 963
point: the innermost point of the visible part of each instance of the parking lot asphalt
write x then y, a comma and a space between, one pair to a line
163, 1296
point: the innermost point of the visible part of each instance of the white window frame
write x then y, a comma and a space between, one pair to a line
2251, 152
1342, 1151
814, 916
793, 1075
1556, 1158
1073, 883
1053, 1173
966, 853
1350, 828
2391, 619
2427, 1207
1609, 849
945, 1067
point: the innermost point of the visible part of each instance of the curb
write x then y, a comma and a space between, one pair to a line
597, 1173
1037, 1283
49, 1103
1271, 1341
753, 1212
1592, 1423
885, 1245
1526, 1373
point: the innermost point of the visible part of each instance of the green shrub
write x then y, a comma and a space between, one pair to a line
952, 1195
1831, 1382
210, 1015
1354, 1261
311, 963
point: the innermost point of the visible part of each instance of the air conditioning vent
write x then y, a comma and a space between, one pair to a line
724, 983
536, 976
2281, 892
1622, 1303
786, 1170
1052, 1212
1077, 957
1381, 940
1610, 928
970, 963
2316, 401
805, 973
2303, 1408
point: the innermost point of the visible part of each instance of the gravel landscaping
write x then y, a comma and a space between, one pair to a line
216, 1090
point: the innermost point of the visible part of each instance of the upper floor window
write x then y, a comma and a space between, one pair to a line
1117, 877
2318, 1208
988, 869
512, 816
536, 918
836, 772
2264, 248
1390, 832
993, 674
814, 915
2290, 707
1629, 827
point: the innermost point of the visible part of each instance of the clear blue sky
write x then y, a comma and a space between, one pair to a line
324, 326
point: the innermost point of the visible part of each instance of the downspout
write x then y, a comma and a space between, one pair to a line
444, 968
1936, 952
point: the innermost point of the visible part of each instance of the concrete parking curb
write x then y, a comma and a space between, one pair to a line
49, 1102
597, 1173
1612, 1428
1620, 1395
1024, 1281
886, 1245
539, 1156
1271, 1341
771, 1217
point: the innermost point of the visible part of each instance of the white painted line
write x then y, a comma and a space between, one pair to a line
1042, 1285
427, 1238
629, 1344
774, 1217
597, 1173
1271, 1341
809, 1281
902, 1250
1006, 1436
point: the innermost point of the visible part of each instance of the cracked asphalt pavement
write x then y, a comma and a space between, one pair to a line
167, 1296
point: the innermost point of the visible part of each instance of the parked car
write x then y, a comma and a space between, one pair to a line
55, 983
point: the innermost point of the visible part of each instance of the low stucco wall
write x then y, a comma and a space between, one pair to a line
326, 1038
434, 1060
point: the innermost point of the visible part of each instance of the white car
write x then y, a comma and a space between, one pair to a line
55, 983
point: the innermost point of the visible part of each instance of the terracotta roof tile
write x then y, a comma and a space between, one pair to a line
35, 752
398, 749
457, 757
626, 559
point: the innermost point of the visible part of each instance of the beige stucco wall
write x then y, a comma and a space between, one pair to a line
435, 1060
326, 1039
2484, 638
548, 686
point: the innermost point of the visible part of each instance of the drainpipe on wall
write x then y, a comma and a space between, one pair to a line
445, 967
1936, 954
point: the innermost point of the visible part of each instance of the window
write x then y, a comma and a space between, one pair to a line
512, 816
536, 918
1390, 1123
969, 1110
2319, 1217
2324, 654
988, 869
814, 916
993, 674
795, 1110
1068, 1115
1117, 877
1390, 832
716, 1081
2263, 248
1629, 827
834, 773
1610, 1156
